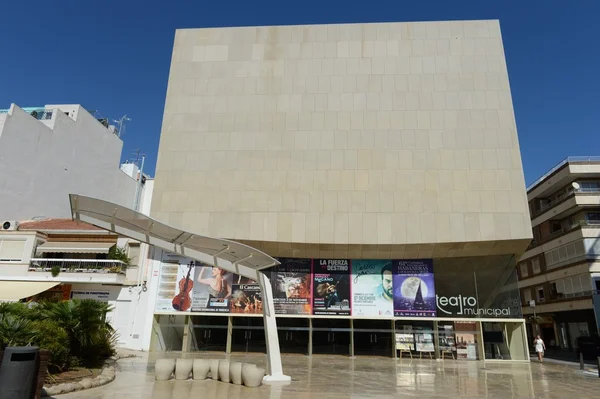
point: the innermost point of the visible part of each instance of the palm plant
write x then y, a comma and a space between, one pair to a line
15, 330
82, 319
76, 331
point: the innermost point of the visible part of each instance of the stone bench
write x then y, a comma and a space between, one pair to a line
237, 373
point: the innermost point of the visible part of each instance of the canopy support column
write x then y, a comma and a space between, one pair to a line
274, 367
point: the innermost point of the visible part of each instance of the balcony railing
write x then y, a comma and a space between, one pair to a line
560, 165
572, 295
576, 225
78, 265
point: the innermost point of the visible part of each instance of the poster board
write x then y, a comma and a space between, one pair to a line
372, 288
331, 287
424, 342
292, 286
405, 342
414, 290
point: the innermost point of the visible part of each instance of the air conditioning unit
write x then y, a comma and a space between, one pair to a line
10, 225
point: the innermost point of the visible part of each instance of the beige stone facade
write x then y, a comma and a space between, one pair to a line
359, 140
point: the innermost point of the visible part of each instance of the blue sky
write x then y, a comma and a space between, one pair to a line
114, 56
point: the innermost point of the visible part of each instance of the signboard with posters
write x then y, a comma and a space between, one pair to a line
372, 288
425, 342
173, 268
246, 296
414, 292
405, 342
331, 287
212, 289
292, 283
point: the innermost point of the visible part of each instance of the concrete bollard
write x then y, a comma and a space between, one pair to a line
581, 365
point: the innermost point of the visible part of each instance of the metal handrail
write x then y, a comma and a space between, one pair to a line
560, 165
78, 265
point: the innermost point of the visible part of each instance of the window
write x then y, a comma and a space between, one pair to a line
564, 255
11, 250
535, 266
527, 296
553, 291
555, 227
540, 294
524, 270
590, 186
593, 218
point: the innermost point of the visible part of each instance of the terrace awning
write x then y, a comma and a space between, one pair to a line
12, 291
75, 247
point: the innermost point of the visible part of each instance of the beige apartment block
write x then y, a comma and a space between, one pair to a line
386, 140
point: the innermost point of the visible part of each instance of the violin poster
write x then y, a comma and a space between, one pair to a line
291, 282
212, 289
331, 287
170, 297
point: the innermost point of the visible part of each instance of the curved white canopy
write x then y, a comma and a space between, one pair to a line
229, 255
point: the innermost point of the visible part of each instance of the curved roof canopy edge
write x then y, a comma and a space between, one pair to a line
229, 255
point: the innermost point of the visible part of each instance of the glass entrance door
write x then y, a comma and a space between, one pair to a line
209, 333
293, 335
331, 336
248, 335
373, 337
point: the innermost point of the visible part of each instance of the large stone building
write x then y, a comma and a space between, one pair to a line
373, 144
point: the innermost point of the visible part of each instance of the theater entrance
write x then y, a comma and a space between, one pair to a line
248, 334
293, 335
373, 337
331, 336
209, 333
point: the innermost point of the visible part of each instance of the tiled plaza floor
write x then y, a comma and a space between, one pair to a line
363, 377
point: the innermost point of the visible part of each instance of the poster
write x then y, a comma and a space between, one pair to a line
425, 342
372, 289
405, 342
292, 282
414, 292
173, 269
446, 334
331, 287
212, 289
465, 340
246, 296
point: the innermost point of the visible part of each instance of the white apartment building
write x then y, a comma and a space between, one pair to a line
51, 151
47, 153
560, 271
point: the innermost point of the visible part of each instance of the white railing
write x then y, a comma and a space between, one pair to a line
560, 165
78, 265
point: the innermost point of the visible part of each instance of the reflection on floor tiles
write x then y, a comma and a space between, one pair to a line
363, 377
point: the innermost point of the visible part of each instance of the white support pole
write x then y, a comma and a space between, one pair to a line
274, 367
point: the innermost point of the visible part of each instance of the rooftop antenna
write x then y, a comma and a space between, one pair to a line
121, 123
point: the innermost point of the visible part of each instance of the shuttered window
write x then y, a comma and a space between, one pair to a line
11, 250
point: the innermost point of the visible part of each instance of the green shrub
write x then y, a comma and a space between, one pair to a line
103, 347
75, 332
15, 330
55, 339
55, 270
118, 253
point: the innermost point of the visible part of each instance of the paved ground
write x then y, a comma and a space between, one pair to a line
363, 377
